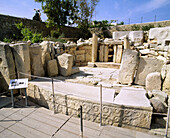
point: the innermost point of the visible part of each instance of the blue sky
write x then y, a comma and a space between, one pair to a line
120, 10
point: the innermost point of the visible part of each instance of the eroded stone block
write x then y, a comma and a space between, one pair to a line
128, 66
147, 65
52, 68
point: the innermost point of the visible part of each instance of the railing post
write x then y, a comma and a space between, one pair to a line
81, 122
53, 95
167, 121
100, 104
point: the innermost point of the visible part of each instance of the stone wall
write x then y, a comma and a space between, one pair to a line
108, 31
7, 27
113, 114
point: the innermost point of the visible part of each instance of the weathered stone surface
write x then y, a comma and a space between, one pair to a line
132, 97
119, 53
153, 81
162, 96
120, 35
147, 65
136, 36
165, 73
128, 66
65, 62
113, 114
52, 68
7, 66
22, 59
47, 53
158, 106
160, 34
36, 61
126, 43
75, 70
94, 47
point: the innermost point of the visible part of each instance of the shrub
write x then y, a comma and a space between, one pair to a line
37, 38
7, 40
147, 27
55, 34
135, 27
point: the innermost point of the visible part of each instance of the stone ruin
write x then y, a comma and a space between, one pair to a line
143, 59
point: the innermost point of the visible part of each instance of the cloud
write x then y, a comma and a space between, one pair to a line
150, 6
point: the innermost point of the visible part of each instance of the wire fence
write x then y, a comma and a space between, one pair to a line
144, 19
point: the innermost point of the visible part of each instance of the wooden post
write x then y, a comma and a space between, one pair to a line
94, 47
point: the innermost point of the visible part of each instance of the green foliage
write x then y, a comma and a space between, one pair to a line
7, 40
59, 39
27, 34
37, 38
59, 12
55, 33
121, 23
135, 27
19, 25
147, 27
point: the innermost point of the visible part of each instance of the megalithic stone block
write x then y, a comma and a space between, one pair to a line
128, 66
7, 66
36, 61
22, 59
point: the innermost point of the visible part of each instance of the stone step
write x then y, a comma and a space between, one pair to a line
104, 65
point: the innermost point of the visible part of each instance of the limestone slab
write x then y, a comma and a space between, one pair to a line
160, 34
7, 66
22, 58
147, 65
128, 66
52, 68
36, 60
132, 97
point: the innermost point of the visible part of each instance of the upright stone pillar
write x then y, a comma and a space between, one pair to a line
94, 47
126, 43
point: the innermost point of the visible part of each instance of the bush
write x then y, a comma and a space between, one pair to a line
27, 34
147, 27
7, 40
55, 34
135, 27
37, 38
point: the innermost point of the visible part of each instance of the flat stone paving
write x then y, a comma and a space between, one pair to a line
34, 122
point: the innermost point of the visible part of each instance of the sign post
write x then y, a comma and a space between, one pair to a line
18, 84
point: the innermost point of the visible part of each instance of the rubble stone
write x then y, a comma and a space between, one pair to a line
65, 62
158, 106
153, 81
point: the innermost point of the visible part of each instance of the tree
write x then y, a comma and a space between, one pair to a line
37, 15
59, 12
86, 10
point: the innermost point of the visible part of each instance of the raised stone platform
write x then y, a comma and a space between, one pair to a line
69, 96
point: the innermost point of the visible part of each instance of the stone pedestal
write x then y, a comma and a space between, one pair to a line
94, 47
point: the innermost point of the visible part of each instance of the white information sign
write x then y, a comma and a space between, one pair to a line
18, 83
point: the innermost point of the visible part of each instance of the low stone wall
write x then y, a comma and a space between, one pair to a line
113, 114
8, 28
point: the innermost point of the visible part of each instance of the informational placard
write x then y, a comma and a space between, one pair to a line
18, 83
